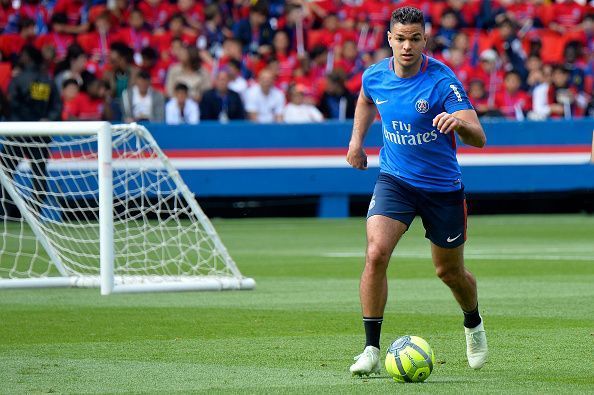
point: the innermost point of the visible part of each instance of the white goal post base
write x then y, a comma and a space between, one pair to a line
90, 204
136, 284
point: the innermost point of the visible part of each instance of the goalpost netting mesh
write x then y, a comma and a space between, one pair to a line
160, 232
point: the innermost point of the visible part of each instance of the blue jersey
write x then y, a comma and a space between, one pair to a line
414, 150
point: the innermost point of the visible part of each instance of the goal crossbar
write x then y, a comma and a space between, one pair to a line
52, 128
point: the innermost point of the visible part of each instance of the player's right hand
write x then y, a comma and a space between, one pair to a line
357, 158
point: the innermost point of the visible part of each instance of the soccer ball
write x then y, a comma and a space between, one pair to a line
410, 359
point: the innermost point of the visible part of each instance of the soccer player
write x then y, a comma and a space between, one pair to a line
422, 106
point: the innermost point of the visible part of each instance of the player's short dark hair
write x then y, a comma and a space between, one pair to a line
407, 16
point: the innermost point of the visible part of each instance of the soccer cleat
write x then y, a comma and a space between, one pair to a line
476, 346
367, 362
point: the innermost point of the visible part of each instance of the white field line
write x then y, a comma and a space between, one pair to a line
311, 162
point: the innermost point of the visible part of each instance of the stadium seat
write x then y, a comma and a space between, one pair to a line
5, 75
552, 45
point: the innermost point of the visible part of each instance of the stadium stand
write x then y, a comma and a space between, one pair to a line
309, 44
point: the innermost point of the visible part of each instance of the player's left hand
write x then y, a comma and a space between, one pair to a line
446, 123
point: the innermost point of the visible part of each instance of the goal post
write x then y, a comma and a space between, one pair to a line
90, 204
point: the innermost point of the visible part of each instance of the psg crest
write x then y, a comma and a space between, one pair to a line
422, 106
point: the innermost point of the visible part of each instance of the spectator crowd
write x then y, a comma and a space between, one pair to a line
182, 61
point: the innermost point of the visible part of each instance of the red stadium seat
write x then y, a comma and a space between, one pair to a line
5, 75
552, 45
10, 44
483, 37
437, 9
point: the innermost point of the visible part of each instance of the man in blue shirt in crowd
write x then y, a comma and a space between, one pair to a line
422, 105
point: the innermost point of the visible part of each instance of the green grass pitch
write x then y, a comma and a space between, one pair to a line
298, 331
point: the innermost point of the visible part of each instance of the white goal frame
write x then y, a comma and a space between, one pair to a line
107, 281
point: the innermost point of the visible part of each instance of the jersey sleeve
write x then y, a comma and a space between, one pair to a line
455, 98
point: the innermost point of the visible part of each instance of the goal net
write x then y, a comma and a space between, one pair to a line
87, 204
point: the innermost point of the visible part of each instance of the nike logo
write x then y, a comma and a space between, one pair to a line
449, 239
378, 101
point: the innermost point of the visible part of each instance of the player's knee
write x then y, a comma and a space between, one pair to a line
377, 257
448, 275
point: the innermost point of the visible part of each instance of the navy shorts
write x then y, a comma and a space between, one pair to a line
443, 213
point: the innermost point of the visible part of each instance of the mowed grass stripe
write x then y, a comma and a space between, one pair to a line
474, 255
184, 365
297, 332
317, 294
56, 327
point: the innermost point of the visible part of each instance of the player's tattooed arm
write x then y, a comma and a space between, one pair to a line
465, 123
364, 115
